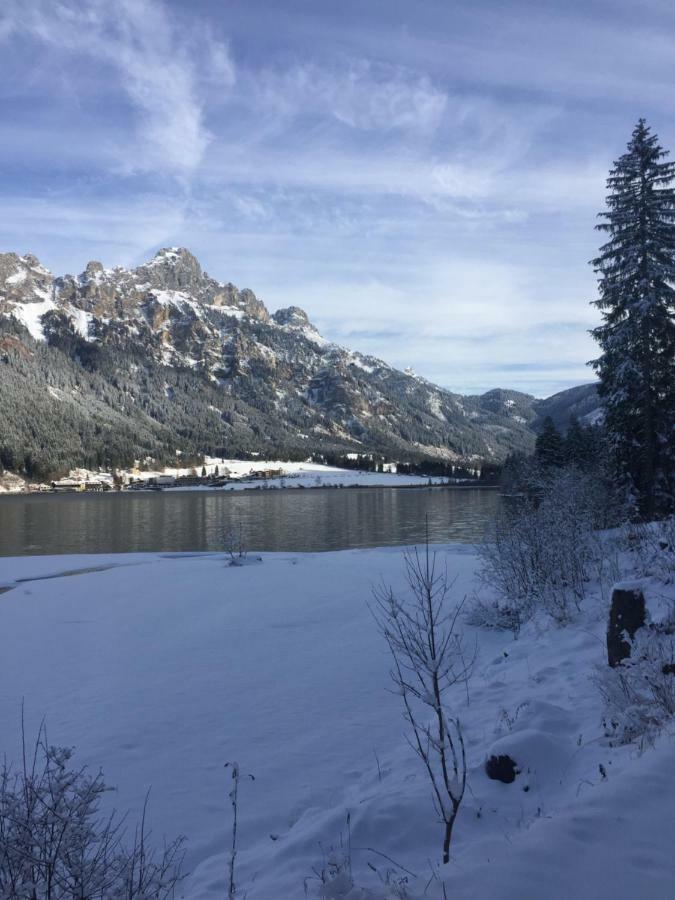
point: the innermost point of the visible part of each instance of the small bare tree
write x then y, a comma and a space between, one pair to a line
235, 545
428, 660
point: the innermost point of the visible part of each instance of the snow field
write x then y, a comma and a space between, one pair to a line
295, 475
162, 668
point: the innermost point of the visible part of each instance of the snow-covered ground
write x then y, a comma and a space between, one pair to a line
295, 475
162, 668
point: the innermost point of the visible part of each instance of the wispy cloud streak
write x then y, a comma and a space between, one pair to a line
159, 68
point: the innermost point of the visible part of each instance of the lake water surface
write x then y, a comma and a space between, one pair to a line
287, 520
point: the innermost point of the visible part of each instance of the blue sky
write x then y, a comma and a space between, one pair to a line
422, 177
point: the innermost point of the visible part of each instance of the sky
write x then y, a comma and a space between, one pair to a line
423, 178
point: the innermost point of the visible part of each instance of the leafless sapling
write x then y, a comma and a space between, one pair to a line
429, 659
235, 545
232, 892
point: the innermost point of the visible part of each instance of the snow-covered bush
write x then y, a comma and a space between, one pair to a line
543, 548
652, 545
333, 877
235, 545
491, 613
639, 693
334, 881
55, 843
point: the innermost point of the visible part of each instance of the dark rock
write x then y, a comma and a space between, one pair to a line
501, 768
627, 613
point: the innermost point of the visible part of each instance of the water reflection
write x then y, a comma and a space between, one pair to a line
291, 520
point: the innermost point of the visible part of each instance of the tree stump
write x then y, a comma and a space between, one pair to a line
626, 614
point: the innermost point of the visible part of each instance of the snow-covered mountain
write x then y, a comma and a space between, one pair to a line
164, 357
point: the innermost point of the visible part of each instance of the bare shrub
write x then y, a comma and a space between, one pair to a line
235, 545
497, 614
653, 547
429, 659
333, 878
55, 844
543, 548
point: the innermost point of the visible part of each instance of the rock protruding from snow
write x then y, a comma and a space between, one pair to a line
501, 768
626, 615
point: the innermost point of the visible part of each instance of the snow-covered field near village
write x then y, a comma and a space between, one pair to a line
242, 475
296, 475
162, 668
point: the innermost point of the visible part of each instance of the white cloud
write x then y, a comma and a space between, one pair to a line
487, 188
159, 67
360, 95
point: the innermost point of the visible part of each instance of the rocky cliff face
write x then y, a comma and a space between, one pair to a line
207, 365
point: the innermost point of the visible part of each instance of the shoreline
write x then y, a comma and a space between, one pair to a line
255, 487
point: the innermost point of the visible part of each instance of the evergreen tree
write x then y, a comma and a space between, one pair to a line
582, 444
636, 269
548, 448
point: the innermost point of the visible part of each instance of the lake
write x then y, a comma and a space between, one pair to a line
286, 520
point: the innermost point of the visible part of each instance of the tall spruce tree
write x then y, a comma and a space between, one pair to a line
576, 445
636, 269
548, 448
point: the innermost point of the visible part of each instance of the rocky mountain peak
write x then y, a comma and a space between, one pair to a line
23, 280
93, 269
292, 316
173, 269
9, 264
14, 268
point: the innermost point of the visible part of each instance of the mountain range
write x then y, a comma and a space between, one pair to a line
119, 364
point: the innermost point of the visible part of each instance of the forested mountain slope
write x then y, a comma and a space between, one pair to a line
118, 364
